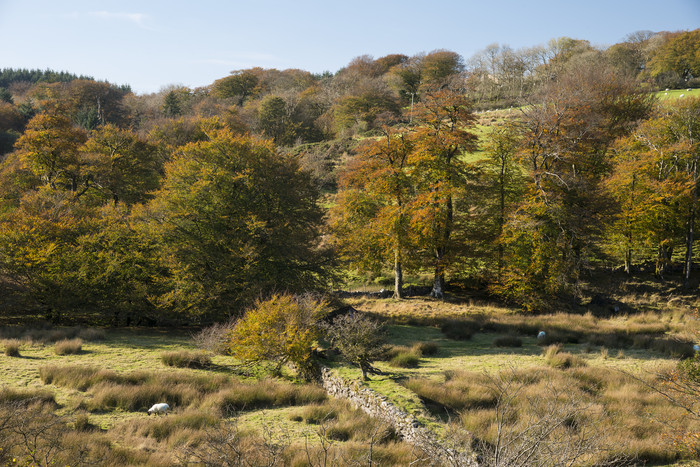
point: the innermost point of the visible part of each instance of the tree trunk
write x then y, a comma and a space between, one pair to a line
663, 259
398, 276
439, 280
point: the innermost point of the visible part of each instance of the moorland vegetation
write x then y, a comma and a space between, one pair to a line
552, 189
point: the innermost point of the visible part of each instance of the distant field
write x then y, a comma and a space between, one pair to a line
678, 93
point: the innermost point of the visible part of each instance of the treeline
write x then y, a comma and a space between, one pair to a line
9, 76
190, 203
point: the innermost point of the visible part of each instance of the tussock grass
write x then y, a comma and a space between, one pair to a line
68, 346
186, 359
462, 329
24, 397
459, 391
316, 413
426, 348
555, 358
12, 347
401, 356
49, 335
266, 393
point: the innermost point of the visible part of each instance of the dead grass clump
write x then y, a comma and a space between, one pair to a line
27, 397
453, 395
555, 358
163, 428
12, 347
68, 347
507, 341
185, 359
317, 413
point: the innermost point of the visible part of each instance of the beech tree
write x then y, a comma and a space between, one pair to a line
567, 136
442, 136
371, 217
238, 219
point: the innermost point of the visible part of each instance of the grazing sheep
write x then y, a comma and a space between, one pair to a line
682, 95
159, 408
541, 335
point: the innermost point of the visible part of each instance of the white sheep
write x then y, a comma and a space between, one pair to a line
541, 335
159, 408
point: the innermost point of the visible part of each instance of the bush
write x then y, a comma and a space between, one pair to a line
185, 359
68, 347
508, 341
281, 329
12, 347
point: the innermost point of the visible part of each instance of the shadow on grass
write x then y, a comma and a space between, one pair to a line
481, 343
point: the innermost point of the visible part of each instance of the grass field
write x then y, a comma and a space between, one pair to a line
678, 93
118, 373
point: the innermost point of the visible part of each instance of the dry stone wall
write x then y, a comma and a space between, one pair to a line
410, 429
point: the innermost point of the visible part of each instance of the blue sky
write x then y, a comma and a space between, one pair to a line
151, 44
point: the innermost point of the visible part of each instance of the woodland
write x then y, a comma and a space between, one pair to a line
516, 173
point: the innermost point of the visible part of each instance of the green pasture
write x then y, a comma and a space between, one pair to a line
677, 94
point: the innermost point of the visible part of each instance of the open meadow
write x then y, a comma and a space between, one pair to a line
471, 371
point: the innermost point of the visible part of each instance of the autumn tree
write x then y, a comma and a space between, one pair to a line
656, 182
239, 85
504, 182
238, 220
440, 140
120, 165
567, 134
50, 148
371, 217
678, 55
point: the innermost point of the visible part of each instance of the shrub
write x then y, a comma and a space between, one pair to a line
185, 359
68, 346
12, 347
281, 329
508, 341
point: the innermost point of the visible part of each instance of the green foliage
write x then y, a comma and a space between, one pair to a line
239, 85
236, 219
282, 329
678, 55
